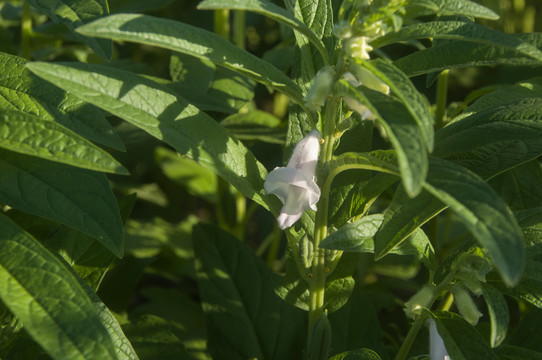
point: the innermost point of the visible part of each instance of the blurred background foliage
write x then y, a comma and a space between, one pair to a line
155, 279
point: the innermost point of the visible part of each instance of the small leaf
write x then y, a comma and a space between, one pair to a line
74, 13
465, 8
30, 135
74, 197
184, 38
498, 313
459, 30
53, 306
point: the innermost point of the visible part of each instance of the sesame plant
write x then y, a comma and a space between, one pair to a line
256, 179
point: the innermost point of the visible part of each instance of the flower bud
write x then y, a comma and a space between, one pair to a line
357, 47
466, 306
422, 299
320, 89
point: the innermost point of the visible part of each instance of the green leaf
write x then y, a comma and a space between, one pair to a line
164, 115
358, 237
53, 306
494, 140
401, 86
74, 197
184, 38
403, 131
462, 340
459, 30
362, 354
510, 352
244, 318
527, 333
461, 54
529, 287
23, 91
28, 134
270, 10
464, 8
153, 338
498, 313
74, 13
480, 209
255, 125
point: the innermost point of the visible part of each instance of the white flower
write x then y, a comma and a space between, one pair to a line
437, 349
294, 184
357, 47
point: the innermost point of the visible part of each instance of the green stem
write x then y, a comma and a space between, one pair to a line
222, 23
239, 28
442, 92
26, 31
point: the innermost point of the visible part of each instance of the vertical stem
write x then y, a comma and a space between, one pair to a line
239, 28
318, 281
442, 92
222, 23
26, 31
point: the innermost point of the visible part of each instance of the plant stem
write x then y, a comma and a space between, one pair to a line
318, 281
222, 23
442, 92
239, 28
26, 31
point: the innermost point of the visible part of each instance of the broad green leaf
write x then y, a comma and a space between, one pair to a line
527, 333
358, 237
510, 352
183, 38
208, 87
74, 13
74, 197
272, 11
480, 209
464, 8
362, 354
462, 340
164, 115
403, 131
154, 339
401, 86
461, 54
28, 134
244, 318
21, 90
459, 30
255, 125
49, 300
498, 313
529, 287
196, 179
494, 140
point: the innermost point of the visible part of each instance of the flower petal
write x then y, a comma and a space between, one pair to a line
437, 349
286, 220
305, 155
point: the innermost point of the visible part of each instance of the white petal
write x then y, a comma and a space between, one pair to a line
286, 220
437, 349
305, 155
276, 179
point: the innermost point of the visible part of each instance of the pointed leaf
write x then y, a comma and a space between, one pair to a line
74, 197
403, 131
163, 114
74, 13
53, 306
459, 30
270, 10
482, 212
27, 134
498, 313
193, 41
23, 91
244, 317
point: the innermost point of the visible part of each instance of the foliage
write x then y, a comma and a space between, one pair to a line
136, 138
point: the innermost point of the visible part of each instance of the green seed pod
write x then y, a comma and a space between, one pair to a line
306, 251
320, 338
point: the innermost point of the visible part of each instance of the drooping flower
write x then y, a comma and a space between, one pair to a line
437, 349
419, 301
320, 89
466, 306
294, 184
